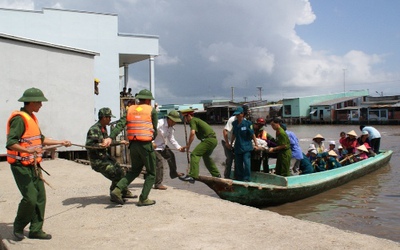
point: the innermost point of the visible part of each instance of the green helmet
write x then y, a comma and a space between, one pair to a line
104, 112
33, 95
144, 94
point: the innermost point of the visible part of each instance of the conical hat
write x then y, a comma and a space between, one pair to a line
319, 136
332, 153
353, 133
362, 148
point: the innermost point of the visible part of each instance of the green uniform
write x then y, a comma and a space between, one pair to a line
204, 149
31, 209
142, 154
100, 159
284, 155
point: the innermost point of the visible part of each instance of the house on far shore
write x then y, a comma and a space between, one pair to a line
297, 110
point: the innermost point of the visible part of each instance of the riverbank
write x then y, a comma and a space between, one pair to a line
79, 215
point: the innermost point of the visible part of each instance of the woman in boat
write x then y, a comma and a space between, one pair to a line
364, 140
284, 153
363, 153
350, 143
332, 161
318, 141
341, 152
342, 137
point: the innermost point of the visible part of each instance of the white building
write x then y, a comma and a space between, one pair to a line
28, 63
79, 31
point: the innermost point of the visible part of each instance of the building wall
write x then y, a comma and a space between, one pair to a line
83, 30
300, 107
64, 76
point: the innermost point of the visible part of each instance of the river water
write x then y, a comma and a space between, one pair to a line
369, 205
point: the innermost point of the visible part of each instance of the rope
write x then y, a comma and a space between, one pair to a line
187, 149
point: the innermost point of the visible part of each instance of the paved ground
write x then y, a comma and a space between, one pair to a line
79, 215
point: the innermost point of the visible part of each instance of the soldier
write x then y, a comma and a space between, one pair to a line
206, 135
24, 153
141, 122
100, 159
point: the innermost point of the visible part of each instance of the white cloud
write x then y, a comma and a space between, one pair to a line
164, 59
20, 4
209, 46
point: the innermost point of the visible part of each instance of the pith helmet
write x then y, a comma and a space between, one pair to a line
105, 112
144, 94
174, 115
33, 95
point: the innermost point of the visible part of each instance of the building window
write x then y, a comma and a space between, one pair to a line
288, 109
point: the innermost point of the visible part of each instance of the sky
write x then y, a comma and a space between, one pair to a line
256, 49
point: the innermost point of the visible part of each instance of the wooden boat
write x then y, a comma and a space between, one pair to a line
269, 189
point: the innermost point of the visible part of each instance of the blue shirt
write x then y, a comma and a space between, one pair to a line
243, 136
294, 145
372, 132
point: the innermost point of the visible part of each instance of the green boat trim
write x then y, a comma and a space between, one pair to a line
269, 189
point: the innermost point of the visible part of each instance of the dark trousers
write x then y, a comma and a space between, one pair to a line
32, 206
376, 144
228, 161
168, 155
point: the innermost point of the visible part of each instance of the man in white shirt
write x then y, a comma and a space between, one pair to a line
227, 133
165, 133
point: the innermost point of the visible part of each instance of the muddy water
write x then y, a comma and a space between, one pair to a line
369, 205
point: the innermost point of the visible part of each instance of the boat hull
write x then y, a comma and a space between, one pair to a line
269, 190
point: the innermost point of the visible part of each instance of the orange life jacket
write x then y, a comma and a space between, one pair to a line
31, 138
262, 135
139, 123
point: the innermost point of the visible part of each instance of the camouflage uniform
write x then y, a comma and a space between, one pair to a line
100, 159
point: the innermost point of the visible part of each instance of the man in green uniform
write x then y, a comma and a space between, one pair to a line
24, 152
100, 158
141, 122
204, 149
284, 154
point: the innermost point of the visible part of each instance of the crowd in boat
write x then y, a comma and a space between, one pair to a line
284, 146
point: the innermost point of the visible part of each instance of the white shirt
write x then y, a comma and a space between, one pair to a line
165, 133
228, 127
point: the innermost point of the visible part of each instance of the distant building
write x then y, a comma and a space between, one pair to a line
297, 110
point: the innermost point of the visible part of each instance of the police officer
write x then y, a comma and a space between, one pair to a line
24, 153
141, 122
100, 158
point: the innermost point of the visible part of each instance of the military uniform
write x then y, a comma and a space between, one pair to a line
24, 152
100, 159
141, 151
204, 149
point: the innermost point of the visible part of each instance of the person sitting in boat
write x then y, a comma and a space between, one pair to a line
332, 146
311, 152
319, 164
364, 140
350, 143
362, 153
318, 141
306, 166
341, 152
332, 161
342, 137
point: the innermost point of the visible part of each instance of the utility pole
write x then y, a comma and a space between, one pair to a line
344, 81
259, 90
245, 98
232, 93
